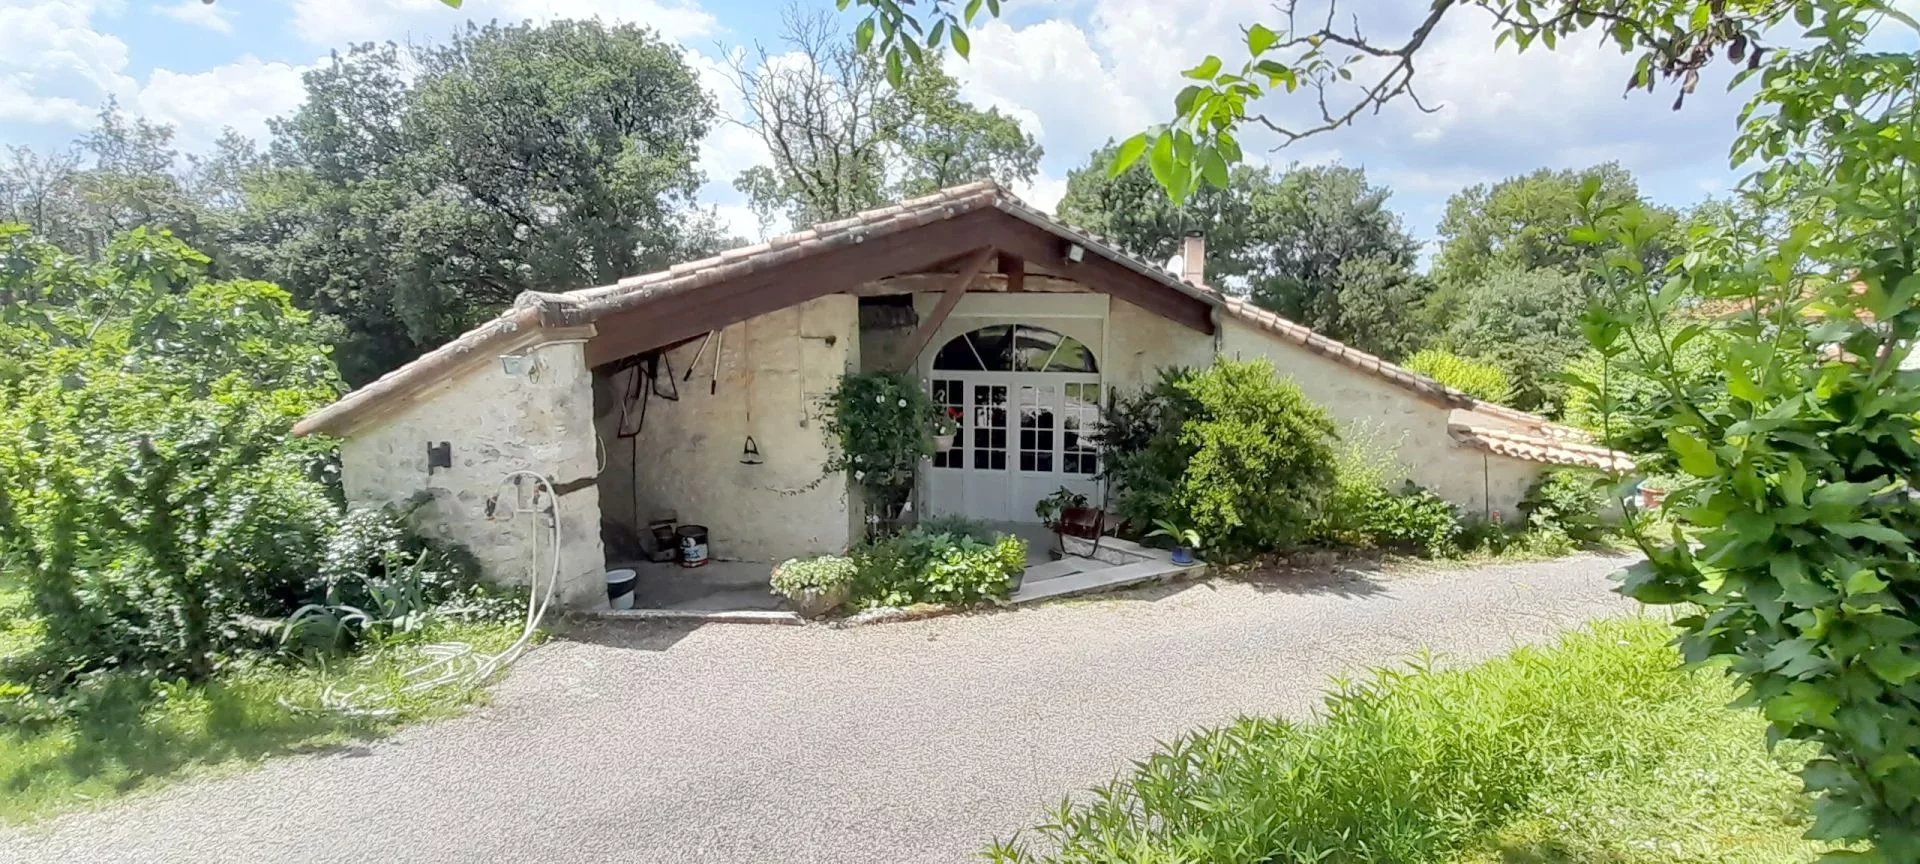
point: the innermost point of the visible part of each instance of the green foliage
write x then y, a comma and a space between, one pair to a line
1619, 408
1232, 451
1410, 520
919, 566
1571, 502
1365, 512
378, 579
1798, 485
146, 490
1526, 323
1317, 244
1475, 378
1421, 765
959, 526
113, 734
880, 425
824, 572
1527, 223
419, 190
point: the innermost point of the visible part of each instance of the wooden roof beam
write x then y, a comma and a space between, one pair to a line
956, 289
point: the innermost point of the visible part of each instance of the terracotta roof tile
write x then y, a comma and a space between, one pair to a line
1539, 448
541, 309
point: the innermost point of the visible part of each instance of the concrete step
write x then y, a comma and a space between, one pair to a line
1056, 569
1102, 579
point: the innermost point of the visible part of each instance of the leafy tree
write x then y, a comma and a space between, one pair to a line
842, 141
124, 173
147, 491
1130, 209
1527, 323
1316, 244
945, 141
1525, 223
1314, 223
1473, 377
420, 190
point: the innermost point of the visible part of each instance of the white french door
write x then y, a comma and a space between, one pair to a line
1022, 436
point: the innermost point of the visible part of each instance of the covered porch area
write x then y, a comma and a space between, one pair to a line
708, 381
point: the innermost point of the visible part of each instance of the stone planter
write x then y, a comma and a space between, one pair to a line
815, 602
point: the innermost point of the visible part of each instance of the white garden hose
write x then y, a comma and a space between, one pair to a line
457, 664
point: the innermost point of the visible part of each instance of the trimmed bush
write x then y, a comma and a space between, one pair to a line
1477, 378
1233, 451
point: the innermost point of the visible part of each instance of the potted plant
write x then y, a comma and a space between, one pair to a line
1186, 541
945, 427
1059, 511
814, 586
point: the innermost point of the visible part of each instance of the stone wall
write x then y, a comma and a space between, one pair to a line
1414, 428
686, 459
1140, 343
494, 423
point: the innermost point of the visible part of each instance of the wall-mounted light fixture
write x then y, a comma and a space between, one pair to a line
518, 365
1076, 252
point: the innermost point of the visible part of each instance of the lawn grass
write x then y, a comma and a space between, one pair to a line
122, 739
1595, 750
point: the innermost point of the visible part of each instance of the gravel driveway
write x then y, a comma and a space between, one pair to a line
916, 742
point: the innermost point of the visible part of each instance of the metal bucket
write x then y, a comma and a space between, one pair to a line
693, 545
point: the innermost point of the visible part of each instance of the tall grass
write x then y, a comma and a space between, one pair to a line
123, 734
1419, 765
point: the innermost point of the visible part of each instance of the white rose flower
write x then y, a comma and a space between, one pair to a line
903, 403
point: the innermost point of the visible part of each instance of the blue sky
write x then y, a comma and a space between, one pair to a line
1075, 71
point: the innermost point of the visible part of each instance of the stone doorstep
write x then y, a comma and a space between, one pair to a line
697, 616
1103, 579
1113, 551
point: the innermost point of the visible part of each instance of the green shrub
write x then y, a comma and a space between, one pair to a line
879, 426
822, 573
1414, 767
959, 526
379, 579
1595, 391
148, 495
1476, 378
1233, 451
1364, 512
1573, 502
922, 567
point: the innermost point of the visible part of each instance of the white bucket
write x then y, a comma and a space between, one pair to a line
620, 588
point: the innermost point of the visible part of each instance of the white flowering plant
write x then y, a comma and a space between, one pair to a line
820, 574
879, 426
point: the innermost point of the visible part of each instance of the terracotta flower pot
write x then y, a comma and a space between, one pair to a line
815, 602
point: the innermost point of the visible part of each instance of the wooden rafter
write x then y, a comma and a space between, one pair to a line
956, 289
1015, 269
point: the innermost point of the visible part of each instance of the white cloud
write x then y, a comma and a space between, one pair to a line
1043, 192
334, 22
241, 95
217, 17
1050, 77
54, 65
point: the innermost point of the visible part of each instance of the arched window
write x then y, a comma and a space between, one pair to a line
1015, 348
